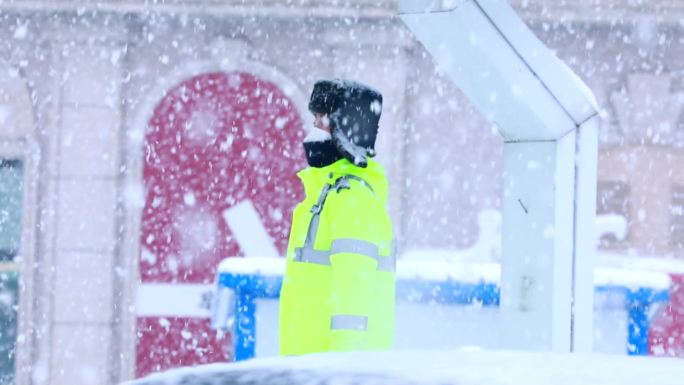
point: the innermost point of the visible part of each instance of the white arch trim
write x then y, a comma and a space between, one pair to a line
260, 70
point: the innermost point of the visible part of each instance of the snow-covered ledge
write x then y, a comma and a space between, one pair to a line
548, 120
426, 268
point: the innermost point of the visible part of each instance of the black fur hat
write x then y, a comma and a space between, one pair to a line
354, 111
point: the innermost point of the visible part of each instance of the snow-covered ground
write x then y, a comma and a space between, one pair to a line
462, 367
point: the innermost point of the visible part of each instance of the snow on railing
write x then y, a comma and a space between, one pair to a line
442, 270
241, 281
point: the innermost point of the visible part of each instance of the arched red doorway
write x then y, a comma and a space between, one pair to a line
215, 143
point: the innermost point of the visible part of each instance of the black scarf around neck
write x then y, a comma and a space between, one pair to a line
321, 154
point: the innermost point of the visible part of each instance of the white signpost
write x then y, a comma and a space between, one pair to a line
249, 230
548, 119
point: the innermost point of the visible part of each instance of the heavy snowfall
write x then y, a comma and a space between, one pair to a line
149, 152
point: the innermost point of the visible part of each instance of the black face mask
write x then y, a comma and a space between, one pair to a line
321, 154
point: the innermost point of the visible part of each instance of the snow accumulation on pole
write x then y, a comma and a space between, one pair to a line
548, 119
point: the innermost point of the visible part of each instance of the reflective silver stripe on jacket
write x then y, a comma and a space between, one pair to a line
349, 322
308, 254
356, 246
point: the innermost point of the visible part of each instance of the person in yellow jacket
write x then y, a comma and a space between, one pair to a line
338, 292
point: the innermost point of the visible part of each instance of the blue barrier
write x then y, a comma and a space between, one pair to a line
638, 304
248, 288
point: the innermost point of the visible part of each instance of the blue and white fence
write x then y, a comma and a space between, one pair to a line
243, 281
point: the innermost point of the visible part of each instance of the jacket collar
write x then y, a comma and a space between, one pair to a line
314, 178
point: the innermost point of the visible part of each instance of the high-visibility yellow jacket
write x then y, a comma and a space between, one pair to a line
338, 292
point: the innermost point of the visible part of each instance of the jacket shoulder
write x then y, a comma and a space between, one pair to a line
356, 213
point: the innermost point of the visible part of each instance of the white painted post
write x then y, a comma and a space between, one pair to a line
548, 119
537, 232
586, 160
249, 231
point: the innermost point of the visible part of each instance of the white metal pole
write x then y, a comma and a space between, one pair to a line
537, 228
584, 246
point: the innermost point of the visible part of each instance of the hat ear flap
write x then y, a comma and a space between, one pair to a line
353, 153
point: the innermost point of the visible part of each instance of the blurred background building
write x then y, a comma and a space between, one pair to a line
131, 132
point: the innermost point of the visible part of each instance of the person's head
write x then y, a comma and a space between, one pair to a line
350, 113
